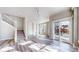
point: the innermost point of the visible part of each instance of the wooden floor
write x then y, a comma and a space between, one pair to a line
6, 43
31, 46
63, 47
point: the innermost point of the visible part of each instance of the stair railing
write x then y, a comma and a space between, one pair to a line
12, 22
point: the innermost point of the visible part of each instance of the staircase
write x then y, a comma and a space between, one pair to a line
10, 22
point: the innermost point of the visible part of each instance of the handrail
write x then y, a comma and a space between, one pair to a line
7, 19
15, 34
10, 21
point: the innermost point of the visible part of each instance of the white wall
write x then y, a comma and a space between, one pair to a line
60, 15
77, 12
6, 30
29, 28
20, 22
25, 27
76, 26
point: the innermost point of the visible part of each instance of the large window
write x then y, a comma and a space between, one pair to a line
43, 28
56, 28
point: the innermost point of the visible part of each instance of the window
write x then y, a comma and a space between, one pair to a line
43, 28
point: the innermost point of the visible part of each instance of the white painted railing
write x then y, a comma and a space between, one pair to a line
7, 19
13, 23
15, 34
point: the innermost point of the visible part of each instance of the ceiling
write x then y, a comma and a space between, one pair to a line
32, 13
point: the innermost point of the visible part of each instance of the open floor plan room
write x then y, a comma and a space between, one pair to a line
39, 29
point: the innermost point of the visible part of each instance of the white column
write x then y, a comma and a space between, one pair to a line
75, 28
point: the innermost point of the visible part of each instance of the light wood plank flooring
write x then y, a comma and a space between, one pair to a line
32, 46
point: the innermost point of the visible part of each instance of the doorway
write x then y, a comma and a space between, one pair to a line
62, 30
